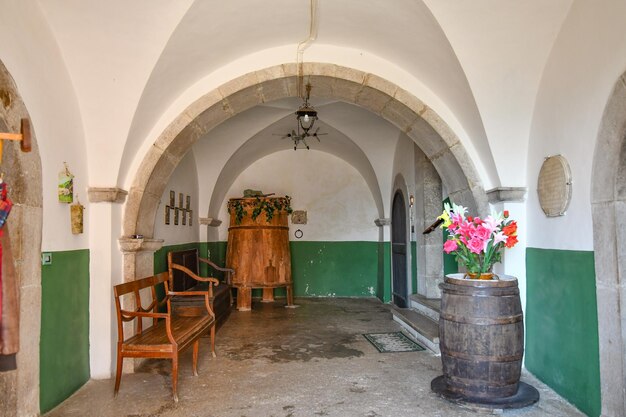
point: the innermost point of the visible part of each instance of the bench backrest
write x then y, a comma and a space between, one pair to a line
189, 259
135, 287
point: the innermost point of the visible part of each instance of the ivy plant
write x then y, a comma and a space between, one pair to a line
259, 205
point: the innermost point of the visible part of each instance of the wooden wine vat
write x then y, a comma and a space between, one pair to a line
258, 248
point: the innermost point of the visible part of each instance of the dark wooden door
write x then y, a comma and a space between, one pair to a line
398, 251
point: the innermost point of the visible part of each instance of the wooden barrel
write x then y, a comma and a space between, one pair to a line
481, 336
258, 249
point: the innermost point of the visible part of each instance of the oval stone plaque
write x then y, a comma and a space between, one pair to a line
554, 186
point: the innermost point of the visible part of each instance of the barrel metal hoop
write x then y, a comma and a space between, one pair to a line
481, 358
480, 292
472, 382
481, 321
258, 227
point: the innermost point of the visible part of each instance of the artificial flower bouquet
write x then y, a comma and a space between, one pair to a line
477, 243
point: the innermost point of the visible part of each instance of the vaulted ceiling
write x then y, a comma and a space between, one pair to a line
136, 65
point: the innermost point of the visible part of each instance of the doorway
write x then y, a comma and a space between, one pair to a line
399, 286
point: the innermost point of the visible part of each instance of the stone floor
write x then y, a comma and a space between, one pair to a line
308, 361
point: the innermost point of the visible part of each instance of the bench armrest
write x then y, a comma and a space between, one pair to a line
210, 263
229, 271
194, 276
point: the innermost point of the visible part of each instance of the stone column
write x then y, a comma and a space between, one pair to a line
384, 256
428, 197
105, 270
138, 255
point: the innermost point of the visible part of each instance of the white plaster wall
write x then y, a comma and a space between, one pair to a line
503, 61
377, 137
30, 53
213, 151
110, 49
184, 180
588, 57
338, 202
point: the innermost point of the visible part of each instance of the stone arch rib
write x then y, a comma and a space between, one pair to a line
23, 173
369, 91
608, 202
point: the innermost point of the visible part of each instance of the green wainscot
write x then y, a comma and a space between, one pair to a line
64, 345
562, 325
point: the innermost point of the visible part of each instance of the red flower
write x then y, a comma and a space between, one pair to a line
506, 214
510, 229
511, 241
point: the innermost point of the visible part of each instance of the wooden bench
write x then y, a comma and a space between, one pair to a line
169, 333
183, 267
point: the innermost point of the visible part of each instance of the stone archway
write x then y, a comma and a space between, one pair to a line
22, 172
432, 135
608, 199
381, 97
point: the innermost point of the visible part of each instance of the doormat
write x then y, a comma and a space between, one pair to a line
392, 342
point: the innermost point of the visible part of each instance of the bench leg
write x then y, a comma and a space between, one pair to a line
213, 340
175, 377
118, 373
195, 357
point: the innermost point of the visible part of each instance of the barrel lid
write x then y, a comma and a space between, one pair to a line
502, 281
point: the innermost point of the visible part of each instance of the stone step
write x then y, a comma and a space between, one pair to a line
427, 306
421, 327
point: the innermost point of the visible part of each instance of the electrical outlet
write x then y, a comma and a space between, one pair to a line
46, 258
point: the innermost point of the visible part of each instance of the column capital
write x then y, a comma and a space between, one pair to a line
106, 195
507, 194
210, 221
382, 222
131, 245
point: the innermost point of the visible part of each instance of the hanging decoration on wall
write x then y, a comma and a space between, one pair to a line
5, 203
24, 137
66, 185
168, 209
9, 292
76, 215
298, 217
182, 212
5, 208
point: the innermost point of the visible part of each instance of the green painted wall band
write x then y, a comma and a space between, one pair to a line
562, 325
64, 344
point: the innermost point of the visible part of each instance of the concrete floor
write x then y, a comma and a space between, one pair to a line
308, 361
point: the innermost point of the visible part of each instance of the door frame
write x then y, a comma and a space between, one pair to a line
401, 188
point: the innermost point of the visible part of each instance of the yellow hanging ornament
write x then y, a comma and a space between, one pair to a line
76, 213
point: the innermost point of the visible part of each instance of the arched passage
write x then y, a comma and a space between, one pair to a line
380, 96
264, 143
22, 172
608, 197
